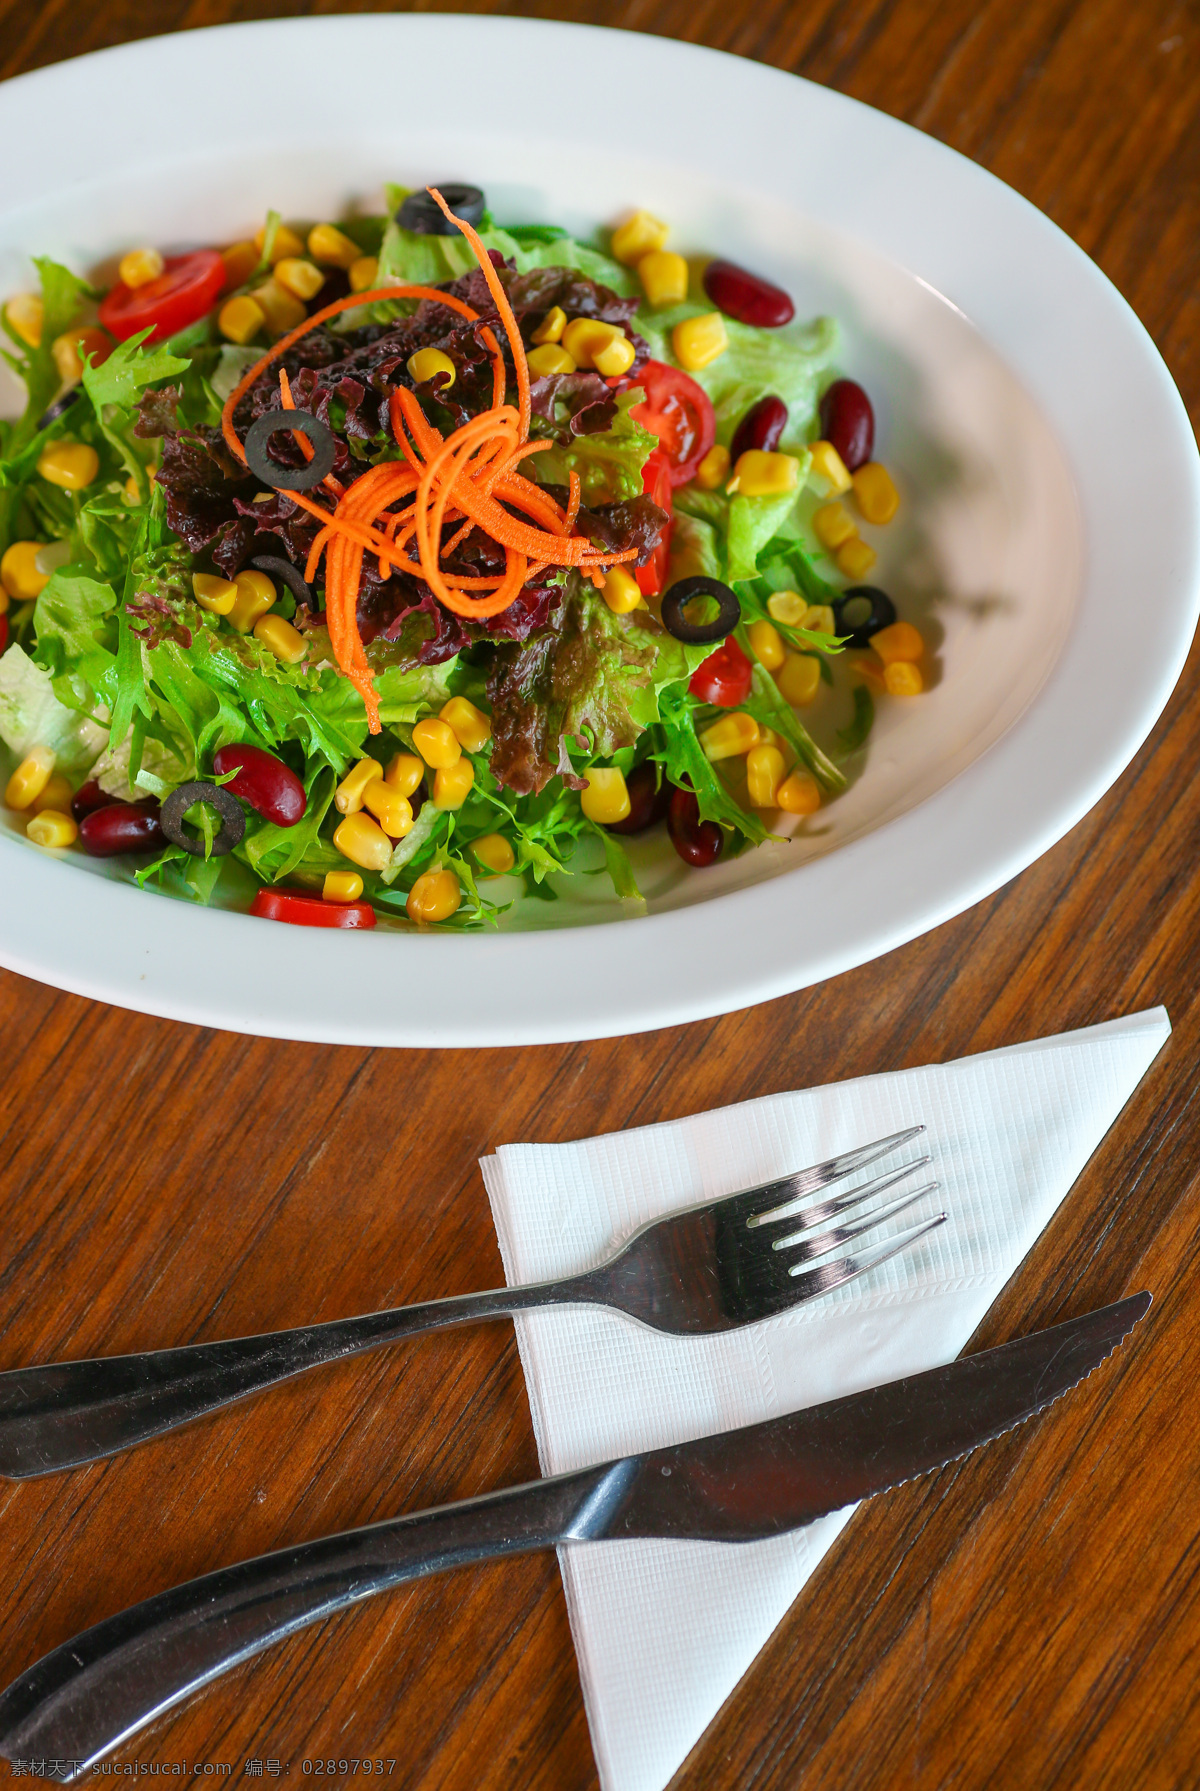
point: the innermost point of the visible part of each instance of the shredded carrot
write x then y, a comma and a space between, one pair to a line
468, 478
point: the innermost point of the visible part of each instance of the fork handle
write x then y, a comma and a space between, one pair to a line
100, 1688
64, 1414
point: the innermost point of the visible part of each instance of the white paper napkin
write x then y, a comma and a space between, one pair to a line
664, 1630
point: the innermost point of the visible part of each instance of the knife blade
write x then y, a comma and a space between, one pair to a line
97, 1690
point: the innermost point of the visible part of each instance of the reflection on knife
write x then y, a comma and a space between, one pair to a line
97, 1690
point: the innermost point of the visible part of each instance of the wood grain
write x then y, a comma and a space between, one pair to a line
1030, 1617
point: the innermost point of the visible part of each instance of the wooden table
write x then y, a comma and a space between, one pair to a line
1027, 1618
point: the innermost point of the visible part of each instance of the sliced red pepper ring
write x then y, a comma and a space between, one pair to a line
310, 911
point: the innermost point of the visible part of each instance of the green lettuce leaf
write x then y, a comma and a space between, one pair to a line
791, 362
754, 521
609, 463
31, 715
127, 372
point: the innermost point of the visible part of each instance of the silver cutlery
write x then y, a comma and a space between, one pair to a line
705, 1269
97, 1690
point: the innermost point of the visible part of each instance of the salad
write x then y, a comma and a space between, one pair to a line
398, 567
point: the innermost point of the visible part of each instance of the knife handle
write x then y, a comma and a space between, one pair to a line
63, 1414
97, 1690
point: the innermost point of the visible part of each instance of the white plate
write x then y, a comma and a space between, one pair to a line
1028, 415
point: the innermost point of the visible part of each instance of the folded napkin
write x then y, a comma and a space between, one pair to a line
664, 1630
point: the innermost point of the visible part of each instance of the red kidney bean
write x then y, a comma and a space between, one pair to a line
761, 427
122, 827
697, 842
848, 422
89, 797
648, 800
265, 782
746, 296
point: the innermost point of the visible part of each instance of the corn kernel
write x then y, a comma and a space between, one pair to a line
799, 794
664, 277
436, 742
71, 465
364, 273
902, 678
699, 340
25, 314
30, 778
827, 474
767, 644
606, 798
584, 337
428, 363
729, 737
818, 618
241, 259
494, 853
713, 469
240, 319
550, 329
286, 243
280, 638
549, 359
616, 357
392, 810
469, 725
19, 573
637, 236
332, 247
255, 595
855, 558
303, 279
877, 496
899, 641
452, 784
435, 895
70, 350
52, 828
764, 774
363, 842
787, 607
622, 593
282, 310
57, 794
216, 594
799, 678
404, 772
760, 474
139, 267
341, 886
348, 797
833, 524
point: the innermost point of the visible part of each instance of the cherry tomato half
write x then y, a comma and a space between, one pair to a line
680, 413
656, 483
310, 911
724, 678
185, 291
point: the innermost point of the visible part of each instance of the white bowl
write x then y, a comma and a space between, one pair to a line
1029, 418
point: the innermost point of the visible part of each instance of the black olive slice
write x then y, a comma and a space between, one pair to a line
177, 804
289, 478
290, 575
685, 591
59, 408
424, 215
861, 612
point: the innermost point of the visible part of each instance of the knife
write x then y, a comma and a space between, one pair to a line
97, 1690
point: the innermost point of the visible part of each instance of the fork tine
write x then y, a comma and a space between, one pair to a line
787, 1188
840, 1203
828, 1275
804, 1246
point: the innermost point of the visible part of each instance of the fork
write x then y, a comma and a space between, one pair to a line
699, 1271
